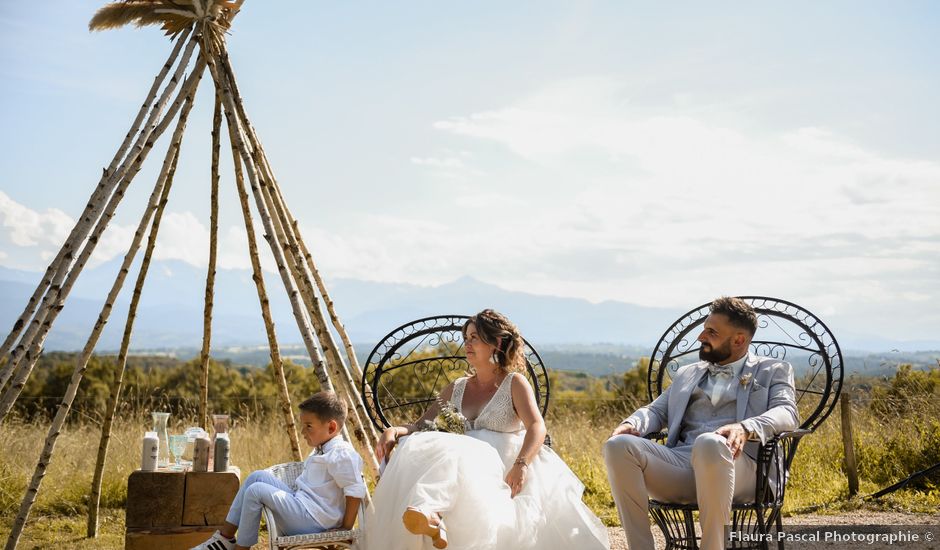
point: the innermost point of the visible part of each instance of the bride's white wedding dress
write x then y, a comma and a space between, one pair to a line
461, 477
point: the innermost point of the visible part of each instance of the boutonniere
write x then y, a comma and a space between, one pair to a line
745, 379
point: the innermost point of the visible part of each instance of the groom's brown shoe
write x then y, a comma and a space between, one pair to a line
419, 523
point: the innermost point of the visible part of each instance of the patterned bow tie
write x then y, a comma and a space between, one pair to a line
719, 370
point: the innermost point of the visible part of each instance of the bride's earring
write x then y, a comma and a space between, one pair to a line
494, 359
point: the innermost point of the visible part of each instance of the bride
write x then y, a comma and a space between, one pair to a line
499, 488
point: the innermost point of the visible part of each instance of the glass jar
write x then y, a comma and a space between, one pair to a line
160, 426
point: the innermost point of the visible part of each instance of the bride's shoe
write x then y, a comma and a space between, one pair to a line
419, 523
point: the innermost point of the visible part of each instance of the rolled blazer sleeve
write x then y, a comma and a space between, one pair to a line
781, 414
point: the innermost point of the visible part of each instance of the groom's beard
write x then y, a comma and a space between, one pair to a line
715, 355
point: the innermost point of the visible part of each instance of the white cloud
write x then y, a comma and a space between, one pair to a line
586, 194
388, 248
115, 241
439, 162
655, 206
687, 167
30, 239
453, 166
606, 202
184, 237
26, 228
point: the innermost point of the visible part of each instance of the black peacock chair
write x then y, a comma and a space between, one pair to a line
785, 331
409, 367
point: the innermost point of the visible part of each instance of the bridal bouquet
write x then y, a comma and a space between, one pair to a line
447, 420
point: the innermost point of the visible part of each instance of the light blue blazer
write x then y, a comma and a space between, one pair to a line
766, 401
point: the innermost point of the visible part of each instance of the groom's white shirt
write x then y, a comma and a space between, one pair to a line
766, 401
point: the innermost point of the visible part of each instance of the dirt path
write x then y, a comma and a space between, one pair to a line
618, 540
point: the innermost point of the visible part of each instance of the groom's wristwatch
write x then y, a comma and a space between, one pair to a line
747, 432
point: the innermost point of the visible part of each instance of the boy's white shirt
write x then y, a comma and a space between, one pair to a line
331, 472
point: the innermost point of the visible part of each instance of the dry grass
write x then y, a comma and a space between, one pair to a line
59, 514
888, 448
256, 445
578, 437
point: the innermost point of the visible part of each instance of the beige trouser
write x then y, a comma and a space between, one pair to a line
640, 469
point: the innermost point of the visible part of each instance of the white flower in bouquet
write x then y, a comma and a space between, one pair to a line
448, 419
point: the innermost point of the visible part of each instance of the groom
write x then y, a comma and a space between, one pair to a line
717, 411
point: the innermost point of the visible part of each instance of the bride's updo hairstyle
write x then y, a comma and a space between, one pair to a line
498, 331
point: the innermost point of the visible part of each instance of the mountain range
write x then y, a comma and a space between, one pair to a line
170, 315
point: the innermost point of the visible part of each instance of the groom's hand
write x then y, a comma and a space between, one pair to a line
736, 437
625, 428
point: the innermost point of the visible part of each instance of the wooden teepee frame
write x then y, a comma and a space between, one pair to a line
192, 24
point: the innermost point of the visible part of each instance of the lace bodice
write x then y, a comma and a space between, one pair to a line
497, 415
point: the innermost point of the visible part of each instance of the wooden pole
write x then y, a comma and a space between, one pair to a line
29, 498
284, 233
95, 500
365, 431
335, 360
78, 233
224, 85
258, 277
297, 246
321, 286
228, 104
851, 468
210, 272
328, 302
147, 136
346, 388
37, 333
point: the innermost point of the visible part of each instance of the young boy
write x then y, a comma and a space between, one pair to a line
328, 490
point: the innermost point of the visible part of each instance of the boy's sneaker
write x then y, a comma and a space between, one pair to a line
216, 542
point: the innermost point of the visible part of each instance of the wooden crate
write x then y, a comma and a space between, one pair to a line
155, 499
202, 504
168, 538
170, 510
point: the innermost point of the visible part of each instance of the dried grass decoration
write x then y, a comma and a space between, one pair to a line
173, 16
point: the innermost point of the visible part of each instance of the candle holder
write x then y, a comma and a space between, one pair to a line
219, 426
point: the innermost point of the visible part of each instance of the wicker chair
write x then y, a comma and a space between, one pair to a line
288, 473
410, 366
785, 331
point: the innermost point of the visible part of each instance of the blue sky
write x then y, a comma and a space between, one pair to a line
653, 153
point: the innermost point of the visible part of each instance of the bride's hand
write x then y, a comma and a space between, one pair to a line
516, 478
386, 443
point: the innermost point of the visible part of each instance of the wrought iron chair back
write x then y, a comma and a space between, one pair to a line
409, 367
787, 332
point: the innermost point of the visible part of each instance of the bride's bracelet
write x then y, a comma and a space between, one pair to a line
521, 461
